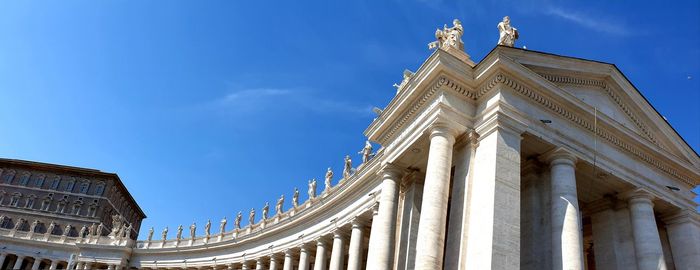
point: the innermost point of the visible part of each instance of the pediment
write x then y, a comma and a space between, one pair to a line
604, 87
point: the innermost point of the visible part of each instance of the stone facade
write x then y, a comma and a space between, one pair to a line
525, 160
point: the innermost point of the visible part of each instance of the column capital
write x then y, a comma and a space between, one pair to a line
443, 129
393, 171
681, 216
358, 222
638, 195
321, 241
559, 155
339, 233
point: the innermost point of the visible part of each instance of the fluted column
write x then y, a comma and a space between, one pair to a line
303, 258
288, 257
431, 229
18, 262
567, 239
381, 250
37, 262
320, 263
54, 265
355, 248
647, 243
337, 253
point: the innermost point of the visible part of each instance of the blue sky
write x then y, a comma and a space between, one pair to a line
207, 108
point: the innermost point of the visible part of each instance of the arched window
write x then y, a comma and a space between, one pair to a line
55, 181
15, 199
30, 201
39, 180
70, 185
84, 186
100, 189
24, 179
8, 176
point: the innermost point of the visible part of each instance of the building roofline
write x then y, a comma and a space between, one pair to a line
73, 169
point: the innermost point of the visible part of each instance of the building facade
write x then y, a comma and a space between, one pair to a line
525, 160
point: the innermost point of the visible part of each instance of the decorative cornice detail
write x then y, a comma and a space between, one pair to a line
610, 92
416, 106
588, 126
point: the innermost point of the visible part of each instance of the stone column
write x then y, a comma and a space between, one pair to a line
381, 251
683, 230
493, 225
2, 258
320, 263
647, 243
373, 240
567, 239
531, 216
79, 265
431, 229
18, 262
337, 253
244, 266
288, 264
88, 265
54, 265
273, 262
259, 264
303, 258
37, 262
111, 267
355, 248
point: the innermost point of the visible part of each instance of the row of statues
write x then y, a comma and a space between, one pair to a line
366, 154
451, 37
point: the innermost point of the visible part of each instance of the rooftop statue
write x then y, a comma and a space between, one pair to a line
207, 228
164, 234
280, 202
150, 234
507, 33
347, 168
295, 198
193, 230
91, 230
18, 224
265, 210
366, 152
237, 221
66, 230
312, 188
178, 236
222, 226
251, 217
449, 37
100, 228
329, 177
82, 231
407, 74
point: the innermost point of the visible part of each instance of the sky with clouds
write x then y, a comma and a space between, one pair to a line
207, 108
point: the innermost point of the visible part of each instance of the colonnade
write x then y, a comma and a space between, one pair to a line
16, 261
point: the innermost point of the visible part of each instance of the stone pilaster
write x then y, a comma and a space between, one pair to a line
381, 251
647, 243
683, 230
431, 229
567, 238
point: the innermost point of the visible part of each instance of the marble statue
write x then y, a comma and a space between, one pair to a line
193, 230
222, 226
18, 224
150, 234
506, 33
52, 226
81, 234
265, 210
407, 74
66, 230
366, 152
312, 188
91, 230
116, 224
164, 234
125, 230
280, 202
33, 226
295, 198
100, 228
347, 168
207, 227
329, 177
178, 236
237, 221
251, 217
449, 37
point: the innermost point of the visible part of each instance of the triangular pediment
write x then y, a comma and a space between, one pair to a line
603, 86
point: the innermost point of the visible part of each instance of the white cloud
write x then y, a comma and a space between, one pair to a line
597, 24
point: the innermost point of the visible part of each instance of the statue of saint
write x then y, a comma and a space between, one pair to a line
449, 37
100, 228
116, 225
366, 152
19, 223
295, 198
125, 230
312, 188
251, 217
33, 226
222, 226
237, 222
150, 234
407, 74
164, 234
91, 230
207, 228
280, 202
66, 230
52, 226
506, 33
178, 236
265, 210
329, 177
193, 230
81, 234
347, 168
